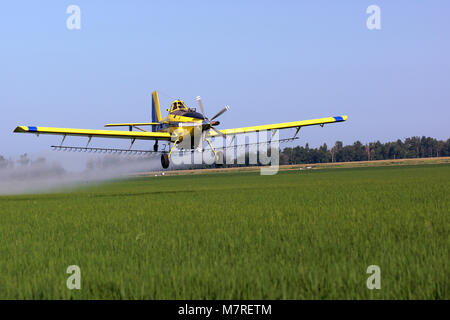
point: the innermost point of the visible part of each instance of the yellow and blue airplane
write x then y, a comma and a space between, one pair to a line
180, 122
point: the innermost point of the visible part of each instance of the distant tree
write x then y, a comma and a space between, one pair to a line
412, 147
3, 163
24, 160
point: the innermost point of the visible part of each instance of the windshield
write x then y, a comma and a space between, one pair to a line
194, 114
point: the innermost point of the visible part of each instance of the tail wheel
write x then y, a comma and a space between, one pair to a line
165, 160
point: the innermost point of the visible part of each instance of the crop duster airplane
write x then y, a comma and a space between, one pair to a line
181, 122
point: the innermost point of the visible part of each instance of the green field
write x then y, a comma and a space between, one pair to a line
296, 235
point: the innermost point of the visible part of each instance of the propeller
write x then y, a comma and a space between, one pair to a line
209, 123
200, 105
220, 112
220, 133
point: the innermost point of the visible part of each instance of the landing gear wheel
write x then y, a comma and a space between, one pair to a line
219, 159
165, 160
155, 147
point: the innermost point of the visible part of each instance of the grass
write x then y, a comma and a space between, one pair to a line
296, 235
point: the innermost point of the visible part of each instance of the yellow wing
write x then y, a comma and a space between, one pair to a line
96, 133
140, 124
284, 125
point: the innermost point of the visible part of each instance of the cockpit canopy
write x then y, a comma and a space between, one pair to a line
178, 105
178, 108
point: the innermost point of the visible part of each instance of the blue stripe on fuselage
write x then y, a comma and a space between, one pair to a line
32, 129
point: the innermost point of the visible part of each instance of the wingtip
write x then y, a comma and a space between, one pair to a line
26, 129
340, 118
21, 129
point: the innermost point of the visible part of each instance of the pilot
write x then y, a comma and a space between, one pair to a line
178, 105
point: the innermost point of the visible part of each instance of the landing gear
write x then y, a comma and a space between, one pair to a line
155, 146
165, 160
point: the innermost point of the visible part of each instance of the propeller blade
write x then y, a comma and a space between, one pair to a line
221, 112
218, 132
200, 105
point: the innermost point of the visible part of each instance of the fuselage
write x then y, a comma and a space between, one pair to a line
182, 122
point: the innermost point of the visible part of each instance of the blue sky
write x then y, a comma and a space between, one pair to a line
271, 61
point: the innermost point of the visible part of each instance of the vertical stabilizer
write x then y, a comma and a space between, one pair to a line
156, 111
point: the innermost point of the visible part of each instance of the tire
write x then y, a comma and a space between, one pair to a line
165, 160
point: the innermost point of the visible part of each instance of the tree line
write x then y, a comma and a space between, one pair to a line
413, 147
23, 161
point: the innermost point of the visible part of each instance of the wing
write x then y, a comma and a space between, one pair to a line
284, 125
96, 133
132, 124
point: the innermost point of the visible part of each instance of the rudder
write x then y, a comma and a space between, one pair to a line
156, 111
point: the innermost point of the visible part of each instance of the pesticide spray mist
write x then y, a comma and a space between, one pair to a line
50, 173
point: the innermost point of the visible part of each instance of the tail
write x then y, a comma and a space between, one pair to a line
156, 111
